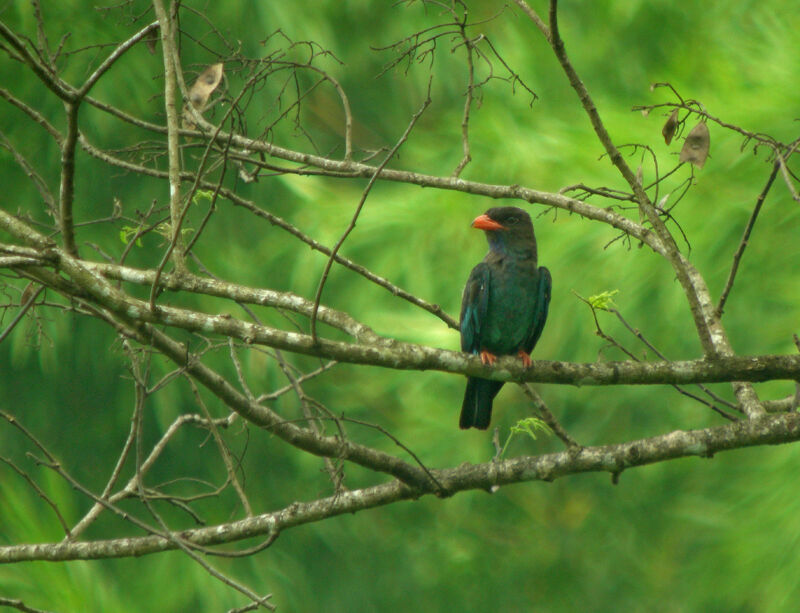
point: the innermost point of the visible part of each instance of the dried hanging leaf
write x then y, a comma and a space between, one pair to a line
200, 92
187, 123
205, 85
28, 292
668, 131
151, 40
695, 148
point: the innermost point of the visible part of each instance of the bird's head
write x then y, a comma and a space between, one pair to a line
508, 229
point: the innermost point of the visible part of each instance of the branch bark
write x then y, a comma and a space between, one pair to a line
614, 459
371, 348
171, 67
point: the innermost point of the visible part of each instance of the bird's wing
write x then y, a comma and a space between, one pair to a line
543, 290
474, 305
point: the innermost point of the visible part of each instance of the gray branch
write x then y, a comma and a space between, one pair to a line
614, 459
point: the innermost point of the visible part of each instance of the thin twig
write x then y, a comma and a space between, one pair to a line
35, 115
737, 257
45, 74
23, 309
35, 487
305, 377
113, 57
352, 170
609, 339
332, 467
534, 17
41, 34
548, 417
181, 543
782, 159
237, 365
466, 157
16, 603
35, 177
224, 451
637, 333
710, 331
441, 489
361, 202
695, 108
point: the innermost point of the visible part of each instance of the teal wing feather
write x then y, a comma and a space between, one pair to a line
474, 307
476, 410
543, 291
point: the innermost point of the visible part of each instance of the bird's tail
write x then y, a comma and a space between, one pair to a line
476, 412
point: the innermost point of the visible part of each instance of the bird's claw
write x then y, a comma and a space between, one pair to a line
526, 359
488, 358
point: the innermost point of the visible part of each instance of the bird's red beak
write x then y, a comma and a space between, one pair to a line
484, 222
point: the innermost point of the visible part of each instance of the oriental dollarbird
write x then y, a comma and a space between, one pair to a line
504, 305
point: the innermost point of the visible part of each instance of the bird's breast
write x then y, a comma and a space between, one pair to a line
511, 307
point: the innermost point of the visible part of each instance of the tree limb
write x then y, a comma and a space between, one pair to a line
614, 459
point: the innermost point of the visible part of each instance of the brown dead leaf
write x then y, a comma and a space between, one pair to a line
27, 293
151, 40
205, 85
668, 131
695, 148
200, 92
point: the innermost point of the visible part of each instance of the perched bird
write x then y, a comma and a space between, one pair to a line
504, 305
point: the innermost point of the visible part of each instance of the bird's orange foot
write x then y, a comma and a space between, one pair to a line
488, 358
526, 359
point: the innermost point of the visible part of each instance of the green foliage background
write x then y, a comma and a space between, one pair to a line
688, 535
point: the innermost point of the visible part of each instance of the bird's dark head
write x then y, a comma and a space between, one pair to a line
508, 229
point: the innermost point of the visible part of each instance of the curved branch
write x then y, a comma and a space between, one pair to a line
390, 353
344, 169
60, 88
614, 459
434, 309
713, 337
113, 57
351, 226
737, 257
188, 282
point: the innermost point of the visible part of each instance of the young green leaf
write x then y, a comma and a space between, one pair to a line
603, 300
529, 426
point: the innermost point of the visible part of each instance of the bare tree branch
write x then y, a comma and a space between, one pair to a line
361, 202
614, 459
261, 358
737, 257
171, 67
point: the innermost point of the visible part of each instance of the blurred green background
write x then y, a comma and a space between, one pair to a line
688, 535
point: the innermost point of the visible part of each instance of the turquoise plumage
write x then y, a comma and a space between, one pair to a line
505, 304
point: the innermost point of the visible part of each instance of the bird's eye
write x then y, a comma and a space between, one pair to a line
512, 220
